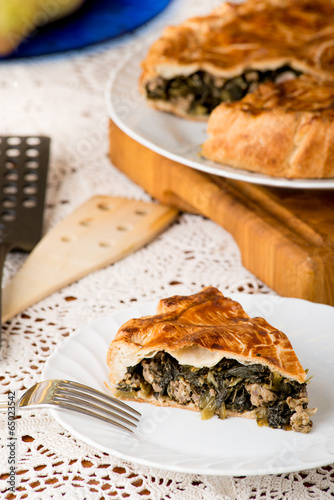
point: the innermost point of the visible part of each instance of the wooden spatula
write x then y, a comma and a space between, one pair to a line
101, 231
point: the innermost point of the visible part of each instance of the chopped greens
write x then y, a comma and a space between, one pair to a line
200, 92
229, 385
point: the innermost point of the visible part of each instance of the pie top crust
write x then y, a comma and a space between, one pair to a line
259, 34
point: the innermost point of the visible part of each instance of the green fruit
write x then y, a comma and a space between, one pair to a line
19, 19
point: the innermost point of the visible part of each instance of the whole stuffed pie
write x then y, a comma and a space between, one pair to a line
262, 72
204, 353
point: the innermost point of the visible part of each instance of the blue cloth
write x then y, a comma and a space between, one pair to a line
96, 21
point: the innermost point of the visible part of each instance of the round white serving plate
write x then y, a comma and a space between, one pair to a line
178, 440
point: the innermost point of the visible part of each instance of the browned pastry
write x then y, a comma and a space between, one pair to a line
204, 353
284, 130
223, 56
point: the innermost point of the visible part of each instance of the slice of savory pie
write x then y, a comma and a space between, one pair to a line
203, 352
225, 55
284, 130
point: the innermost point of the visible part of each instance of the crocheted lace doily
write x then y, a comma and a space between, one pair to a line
63, 97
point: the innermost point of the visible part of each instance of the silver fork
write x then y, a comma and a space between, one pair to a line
79, 398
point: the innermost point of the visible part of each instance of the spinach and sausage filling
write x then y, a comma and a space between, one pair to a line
226, 388
199, 93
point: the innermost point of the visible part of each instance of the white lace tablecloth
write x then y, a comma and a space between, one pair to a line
63, 97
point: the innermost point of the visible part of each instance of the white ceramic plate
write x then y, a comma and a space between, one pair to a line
178, 440
174, 137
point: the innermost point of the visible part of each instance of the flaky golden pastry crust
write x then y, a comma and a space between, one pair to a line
256, 34
199, 330
284, 130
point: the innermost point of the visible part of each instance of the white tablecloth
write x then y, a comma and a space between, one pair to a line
63, 97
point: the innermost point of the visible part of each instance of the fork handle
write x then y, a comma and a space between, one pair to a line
3, 404
4, 401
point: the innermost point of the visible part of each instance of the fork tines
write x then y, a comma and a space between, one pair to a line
78, 397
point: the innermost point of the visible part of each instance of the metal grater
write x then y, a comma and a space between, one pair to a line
23, 174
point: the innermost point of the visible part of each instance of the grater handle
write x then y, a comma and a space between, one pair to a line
4, 249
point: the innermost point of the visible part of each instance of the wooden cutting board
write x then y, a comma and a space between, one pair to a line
285, 236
